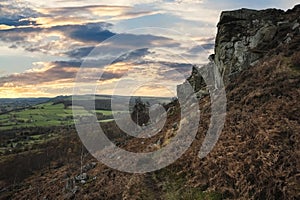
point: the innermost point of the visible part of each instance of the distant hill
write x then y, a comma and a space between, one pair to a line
48, 112
9, 104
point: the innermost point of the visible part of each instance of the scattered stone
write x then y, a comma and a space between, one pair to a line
89, 166
81, 177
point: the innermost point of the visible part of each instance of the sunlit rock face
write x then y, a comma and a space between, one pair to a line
245, 36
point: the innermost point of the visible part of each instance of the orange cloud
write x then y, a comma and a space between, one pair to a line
58, 78
118, 67
6, 27
85, 14
18, 92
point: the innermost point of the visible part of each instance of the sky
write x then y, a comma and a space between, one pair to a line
124, 47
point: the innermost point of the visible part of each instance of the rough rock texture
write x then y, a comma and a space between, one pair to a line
245, 36
202, 79
257, 155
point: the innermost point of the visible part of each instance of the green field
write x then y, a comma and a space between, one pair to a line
50, 114
43, 115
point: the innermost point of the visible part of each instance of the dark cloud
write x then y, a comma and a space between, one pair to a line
112, 75
91, 32
16, 13
133, 55
201, 48
123, 47
122, 44
16, 22
175, 68
91, 35
208, 46
33, 78
80, 52
71, 63
18, 35
67, 70
60, 71
177, 72
126, 47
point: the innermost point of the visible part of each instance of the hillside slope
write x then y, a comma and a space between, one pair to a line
257, 155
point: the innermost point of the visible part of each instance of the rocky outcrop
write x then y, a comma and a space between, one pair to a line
245, 36
257, 155
202, 79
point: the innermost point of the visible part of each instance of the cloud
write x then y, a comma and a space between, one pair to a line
133, 55
68, 35
59, 76
123, 47
55, 40
49, 30
14, 13
71, 63
90, 33
135, 41
107, 2
14, 9
200, 48
33, 78
62, 71
6, 27
170, 71
16, 22
71, 15
93, 9
80, 52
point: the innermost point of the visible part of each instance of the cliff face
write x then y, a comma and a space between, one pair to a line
245, 36
257, 155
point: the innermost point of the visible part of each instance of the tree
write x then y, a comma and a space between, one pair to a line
140, 113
